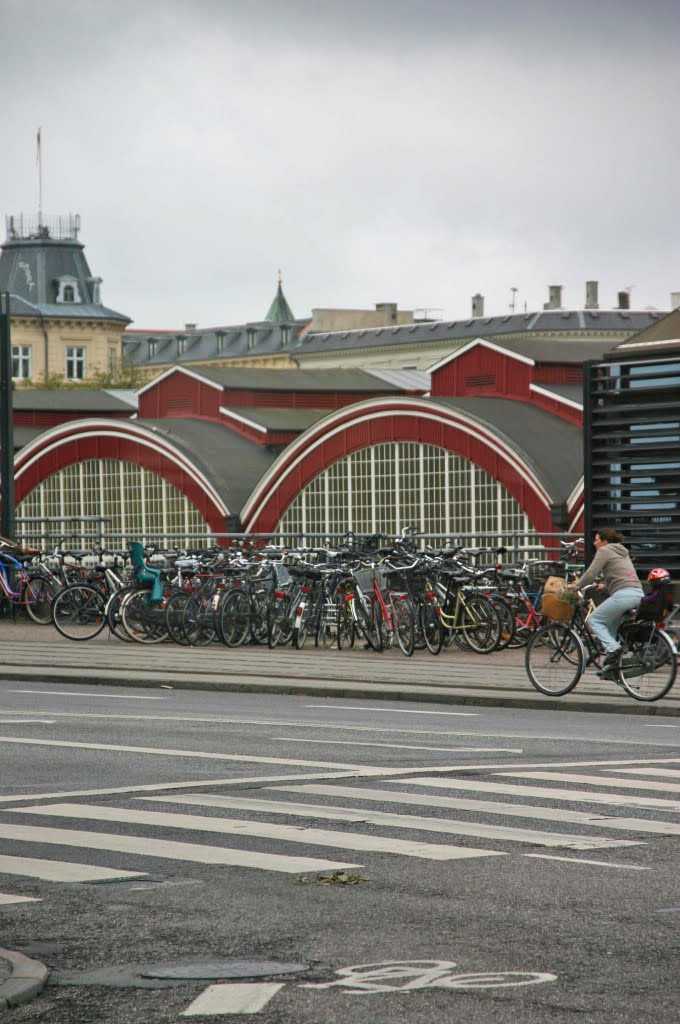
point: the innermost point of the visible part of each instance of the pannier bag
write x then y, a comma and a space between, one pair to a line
553, 603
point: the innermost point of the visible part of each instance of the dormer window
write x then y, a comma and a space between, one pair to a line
219, 335
251, 334
68, 290
152, 346
181, 344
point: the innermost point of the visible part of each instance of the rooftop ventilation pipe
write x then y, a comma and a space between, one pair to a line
592, 301
624, 300
675, 300
554, 297
389, 310
477, 305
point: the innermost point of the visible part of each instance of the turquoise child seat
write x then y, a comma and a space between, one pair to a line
145, 573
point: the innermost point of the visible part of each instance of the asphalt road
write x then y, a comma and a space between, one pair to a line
525, 859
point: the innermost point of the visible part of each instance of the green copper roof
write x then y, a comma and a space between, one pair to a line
279, 311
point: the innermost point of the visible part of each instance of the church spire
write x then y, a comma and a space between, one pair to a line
279, 311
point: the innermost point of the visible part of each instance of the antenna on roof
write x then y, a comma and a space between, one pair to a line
39, 163
514, 298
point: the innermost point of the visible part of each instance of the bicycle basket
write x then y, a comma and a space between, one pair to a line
364, 580
539, 572
282, 575
553, 604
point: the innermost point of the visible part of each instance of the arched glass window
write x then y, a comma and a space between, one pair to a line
68, 294
386, 487
136, 502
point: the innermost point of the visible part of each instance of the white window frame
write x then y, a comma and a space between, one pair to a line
75, 360
22, 358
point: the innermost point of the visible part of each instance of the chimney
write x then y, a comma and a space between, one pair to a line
624, 300
478, 305
389, 309
592, 301
190, 327
675, 300
554, 297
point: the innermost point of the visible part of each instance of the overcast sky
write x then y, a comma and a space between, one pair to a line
413, 151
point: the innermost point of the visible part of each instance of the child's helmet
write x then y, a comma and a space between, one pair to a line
656, 575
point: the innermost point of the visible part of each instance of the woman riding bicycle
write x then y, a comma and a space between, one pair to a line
620, 580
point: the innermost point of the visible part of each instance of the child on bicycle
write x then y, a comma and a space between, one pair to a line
620, 580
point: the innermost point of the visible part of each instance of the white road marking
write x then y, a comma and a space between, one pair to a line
386, 819
142, 846
60, 795
660, 726
25, 721
595, 780
595, 863
394, 711
232, 998
589, 818
80, 693
666, 773
169, 752
266, 830
542, 792
401, 746
60, 871
6, 899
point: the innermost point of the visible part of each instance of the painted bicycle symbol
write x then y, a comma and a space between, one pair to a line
411, 975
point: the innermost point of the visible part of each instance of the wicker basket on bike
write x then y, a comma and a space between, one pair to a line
558, 603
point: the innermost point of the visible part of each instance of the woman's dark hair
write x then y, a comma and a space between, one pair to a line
611, 536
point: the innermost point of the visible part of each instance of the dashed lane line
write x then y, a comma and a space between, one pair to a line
394, 711
81, 693
400, 746
233, 998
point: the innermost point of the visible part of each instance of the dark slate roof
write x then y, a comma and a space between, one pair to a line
29, 270
294, 420
572, 392
85, 400
544, 322
213, 343
245, 378
230, 462
24, 436
550, 446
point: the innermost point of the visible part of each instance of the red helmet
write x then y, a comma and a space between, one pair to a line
658, 574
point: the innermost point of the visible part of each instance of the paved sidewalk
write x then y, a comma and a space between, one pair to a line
40, 654
21, 979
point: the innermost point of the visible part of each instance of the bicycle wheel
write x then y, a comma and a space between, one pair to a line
39, 593
402, 620
198, 620
79, 612
279, 627
431, 624
345, 630
259, 604
647, 667
367, 622
174, 617
555, 659
507, 617
233, 619
144, 622
113, 615
480, 624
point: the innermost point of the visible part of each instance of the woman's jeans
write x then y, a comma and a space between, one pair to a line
606, 619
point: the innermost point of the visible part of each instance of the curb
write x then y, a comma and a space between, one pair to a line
27, 980
294, 686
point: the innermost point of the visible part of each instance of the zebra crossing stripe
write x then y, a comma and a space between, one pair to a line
6, 899
232, 998
59, 871
666, 773
594, 780
141, 846
265, 830
589, 818
543, 792
404, 821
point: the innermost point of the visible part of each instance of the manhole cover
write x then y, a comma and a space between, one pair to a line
208, 970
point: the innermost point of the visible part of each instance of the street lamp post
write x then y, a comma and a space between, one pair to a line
6, 423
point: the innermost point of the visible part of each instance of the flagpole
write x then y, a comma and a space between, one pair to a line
39, 180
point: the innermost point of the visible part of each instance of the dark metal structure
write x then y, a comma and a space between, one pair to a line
632, 451
6, 423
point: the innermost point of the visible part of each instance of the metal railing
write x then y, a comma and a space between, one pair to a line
60, 227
